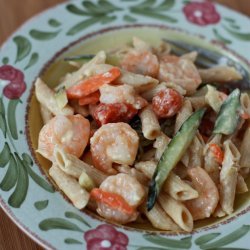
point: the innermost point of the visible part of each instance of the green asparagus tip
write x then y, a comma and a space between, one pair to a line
152, 195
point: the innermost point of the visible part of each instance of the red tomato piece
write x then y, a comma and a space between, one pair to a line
167, 102
116, 112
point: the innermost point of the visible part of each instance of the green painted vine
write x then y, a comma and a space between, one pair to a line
19, 171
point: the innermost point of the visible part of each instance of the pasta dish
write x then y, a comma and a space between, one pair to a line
137, 133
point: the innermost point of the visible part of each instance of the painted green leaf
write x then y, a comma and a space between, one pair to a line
18, 196
238, 35
23, 47
72, 215
40, 205
10, 178
3, 125
2, 108
33, 60
5, 155
234, 26
71, 241
162, 241
5, 60
229, 19
108, 19
27, 159
75, 10
158, 16
58, 223
43, 35
108, 6
230, 238
54, 23
206, 238
146, 4
37, 179
129, 19
220, 37
12, 118
92, 8
82, 25
165, 5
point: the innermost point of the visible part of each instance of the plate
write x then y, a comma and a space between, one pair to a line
38, 47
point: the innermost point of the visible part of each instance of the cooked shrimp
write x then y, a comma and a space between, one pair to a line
141, 62
203, 206
129, 189
69, 132
114, 143
179, 71
121, 94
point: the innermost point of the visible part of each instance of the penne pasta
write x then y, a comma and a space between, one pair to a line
177, 211
46, 97
191, 56
211, 164
141, 83
245, 104
146, 167
228, 176
179, 189
73, 78
73, 166
72, 189
244, 150
46, 114
150, 125
219, 74
183, 114
159, 218
241, 186
160, 145
213, 98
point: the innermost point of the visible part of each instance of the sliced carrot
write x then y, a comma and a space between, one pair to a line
217, 152
92, 84
115, 201
90, 99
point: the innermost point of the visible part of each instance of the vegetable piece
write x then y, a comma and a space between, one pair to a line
229, 114
92, 84
172, 154
217, 152
90, 99
115, 201
61, 98
167, 103
86, 182
115, 112
79, 57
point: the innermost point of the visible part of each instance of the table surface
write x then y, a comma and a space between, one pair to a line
12, 14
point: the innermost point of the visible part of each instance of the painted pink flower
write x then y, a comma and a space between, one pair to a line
106, 237
201, 13
16, 86
7, 72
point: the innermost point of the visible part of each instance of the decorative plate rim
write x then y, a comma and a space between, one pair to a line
3, 204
